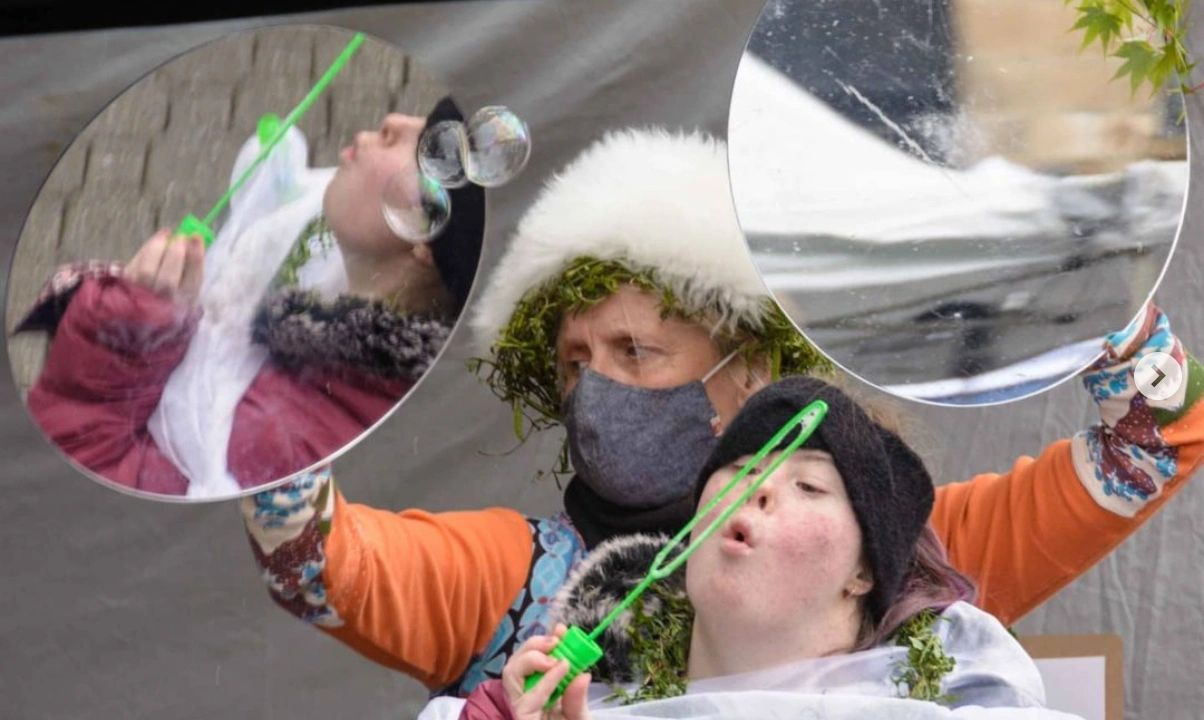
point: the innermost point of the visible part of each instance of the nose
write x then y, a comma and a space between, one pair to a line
764, 497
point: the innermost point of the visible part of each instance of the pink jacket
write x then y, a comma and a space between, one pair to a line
115, 347
487, 702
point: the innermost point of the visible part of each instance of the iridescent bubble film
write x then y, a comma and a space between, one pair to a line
439, 152
415, 207
498, 145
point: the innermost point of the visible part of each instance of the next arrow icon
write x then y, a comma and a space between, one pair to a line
1158, 376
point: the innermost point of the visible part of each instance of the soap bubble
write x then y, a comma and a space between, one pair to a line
439, 151
497, 145
416, 208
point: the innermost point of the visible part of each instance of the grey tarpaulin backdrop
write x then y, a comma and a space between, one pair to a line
114, 607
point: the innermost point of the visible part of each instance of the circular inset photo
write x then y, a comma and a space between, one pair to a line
953, 200
212, 292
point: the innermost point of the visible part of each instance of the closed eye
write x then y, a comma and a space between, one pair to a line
807, 487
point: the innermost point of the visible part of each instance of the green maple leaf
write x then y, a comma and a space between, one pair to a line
1098, 22
1162, 70
1159, 59
1141, 62
1164, 13
1122, 10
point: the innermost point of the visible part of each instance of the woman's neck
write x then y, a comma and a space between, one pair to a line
724, 646
398, 280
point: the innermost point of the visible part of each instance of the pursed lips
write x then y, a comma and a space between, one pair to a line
737, 537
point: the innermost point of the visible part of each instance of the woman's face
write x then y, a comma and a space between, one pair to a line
795, 547
625, 338
353, 198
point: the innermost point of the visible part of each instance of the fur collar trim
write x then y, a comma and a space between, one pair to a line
599, 583
300, 329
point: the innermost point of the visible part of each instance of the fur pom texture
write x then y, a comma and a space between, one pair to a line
299, 328
599, 583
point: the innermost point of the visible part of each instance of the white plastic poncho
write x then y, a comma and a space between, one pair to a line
993, 679
195, 415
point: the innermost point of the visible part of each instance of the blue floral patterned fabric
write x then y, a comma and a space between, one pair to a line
1124, 461
556, 550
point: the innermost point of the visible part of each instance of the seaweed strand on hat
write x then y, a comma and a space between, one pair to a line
643, 207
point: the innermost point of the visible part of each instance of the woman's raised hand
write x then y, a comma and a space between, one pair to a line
532, 657
171, 266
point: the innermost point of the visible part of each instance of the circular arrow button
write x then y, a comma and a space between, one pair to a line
1158, 376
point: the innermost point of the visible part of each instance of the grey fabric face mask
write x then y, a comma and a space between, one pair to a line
637, 447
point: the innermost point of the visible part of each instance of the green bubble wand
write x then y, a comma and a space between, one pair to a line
271, 131
580, 649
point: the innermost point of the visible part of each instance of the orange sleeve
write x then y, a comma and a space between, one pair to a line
1025, 534
423, 592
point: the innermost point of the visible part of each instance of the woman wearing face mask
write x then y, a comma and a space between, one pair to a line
132, 345
626, 307
795, 607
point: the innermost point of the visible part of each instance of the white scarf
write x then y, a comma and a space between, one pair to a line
993, 679
195, 415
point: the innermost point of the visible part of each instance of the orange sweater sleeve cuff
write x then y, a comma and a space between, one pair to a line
1025, 534
423, 592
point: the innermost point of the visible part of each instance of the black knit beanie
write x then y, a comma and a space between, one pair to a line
887, 484
457, 249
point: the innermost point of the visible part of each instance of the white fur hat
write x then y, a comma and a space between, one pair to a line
654, 199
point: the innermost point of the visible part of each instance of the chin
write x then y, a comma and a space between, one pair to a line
719, 592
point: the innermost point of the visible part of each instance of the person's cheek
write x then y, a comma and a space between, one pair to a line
811, 539
713, 487
694, 571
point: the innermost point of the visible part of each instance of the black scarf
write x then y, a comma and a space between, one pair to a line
598, 519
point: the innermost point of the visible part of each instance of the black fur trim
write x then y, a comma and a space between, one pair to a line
599, 583
300, 329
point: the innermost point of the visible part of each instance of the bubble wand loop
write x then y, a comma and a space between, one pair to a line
275, 129
580, 649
